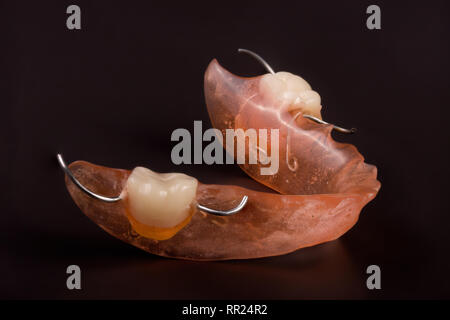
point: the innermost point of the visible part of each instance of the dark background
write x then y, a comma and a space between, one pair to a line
113, 92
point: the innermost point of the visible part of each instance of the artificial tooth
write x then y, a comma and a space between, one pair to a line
293, 82
159, 205
291, 92
309, 103
271, 84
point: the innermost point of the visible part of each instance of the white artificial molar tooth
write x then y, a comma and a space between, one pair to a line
294, 83
272, 85
289, 97
311, 102
160, 200
292, 92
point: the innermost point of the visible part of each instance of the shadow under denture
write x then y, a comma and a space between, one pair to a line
270, 224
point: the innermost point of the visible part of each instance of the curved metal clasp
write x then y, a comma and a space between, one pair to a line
79, 185
259, 58
269, 69
230, 212
340, 129
94, 195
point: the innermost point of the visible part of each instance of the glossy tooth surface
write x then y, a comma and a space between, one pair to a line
293, 82
292, 91
160, 200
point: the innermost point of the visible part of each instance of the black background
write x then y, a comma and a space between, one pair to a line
113, 92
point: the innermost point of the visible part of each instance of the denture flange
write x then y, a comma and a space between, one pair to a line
270, 224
